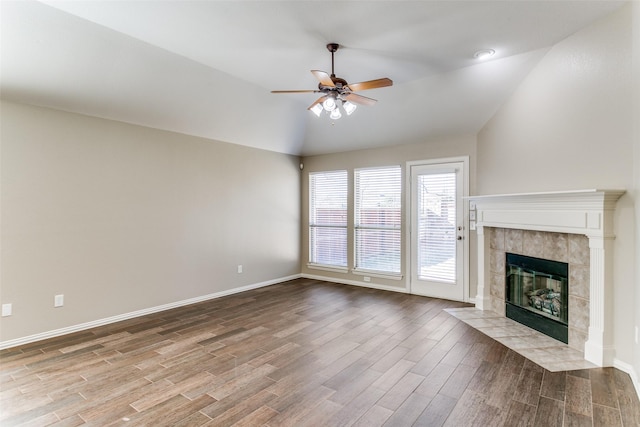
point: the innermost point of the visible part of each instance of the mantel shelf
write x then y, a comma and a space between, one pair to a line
563, 193
592, 199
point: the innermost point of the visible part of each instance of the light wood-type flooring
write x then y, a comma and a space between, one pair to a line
301, 353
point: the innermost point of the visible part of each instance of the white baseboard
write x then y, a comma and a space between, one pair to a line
625, 367
126, 316
355, 283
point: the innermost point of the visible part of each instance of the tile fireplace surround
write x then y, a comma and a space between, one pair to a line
572, 249
575, 227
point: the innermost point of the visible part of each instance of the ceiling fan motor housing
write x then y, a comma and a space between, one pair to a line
341, 85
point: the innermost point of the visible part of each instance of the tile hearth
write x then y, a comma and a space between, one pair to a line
547, 352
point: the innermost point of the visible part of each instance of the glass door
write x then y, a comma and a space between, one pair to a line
437, 230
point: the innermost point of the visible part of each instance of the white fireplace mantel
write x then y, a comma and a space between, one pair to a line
587, 212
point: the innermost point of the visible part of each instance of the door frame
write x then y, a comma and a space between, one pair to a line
465, 220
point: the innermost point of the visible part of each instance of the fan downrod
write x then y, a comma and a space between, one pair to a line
333, 47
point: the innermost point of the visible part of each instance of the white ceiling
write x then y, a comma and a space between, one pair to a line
205, 68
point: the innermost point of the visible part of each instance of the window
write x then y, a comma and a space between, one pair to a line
437, 227
378, 219
328, 218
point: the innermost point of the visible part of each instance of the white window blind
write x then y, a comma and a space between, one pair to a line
378, 219
328, 218
437, 227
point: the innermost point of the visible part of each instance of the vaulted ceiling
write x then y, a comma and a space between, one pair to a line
206, 67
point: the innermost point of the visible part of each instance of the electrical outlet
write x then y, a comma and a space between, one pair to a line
366, 278
58, 300
7, 310
239, 268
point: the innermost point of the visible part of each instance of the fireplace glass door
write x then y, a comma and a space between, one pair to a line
537, 294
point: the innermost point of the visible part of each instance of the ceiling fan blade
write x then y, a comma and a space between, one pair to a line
295, 91
359, 99
370, 84
318, 101
324, 78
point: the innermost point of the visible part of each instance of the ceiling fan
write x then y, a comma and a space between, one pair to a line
337, 92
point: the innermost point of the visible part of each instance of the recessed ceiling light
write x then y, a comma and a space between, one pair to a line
484, 54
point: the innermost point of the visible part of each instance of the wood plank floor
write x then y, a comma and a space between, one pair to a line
301, 353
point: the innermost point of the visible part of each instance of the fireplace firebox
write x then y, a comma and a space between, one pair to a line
537, 294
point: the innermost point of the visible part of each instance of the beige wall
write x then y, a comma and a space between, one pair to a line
397, 155
569, 126
122, 218
636, 180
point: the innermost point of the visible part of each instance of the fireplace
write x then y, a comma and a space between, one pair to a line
537, 294
571, 216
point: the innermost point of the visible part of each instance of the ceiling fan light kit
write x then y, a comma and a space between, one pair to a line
330, 103
337, 93
317, 109
349, 107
